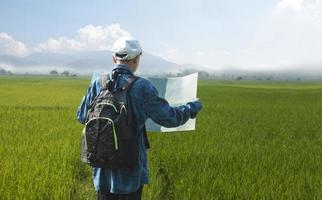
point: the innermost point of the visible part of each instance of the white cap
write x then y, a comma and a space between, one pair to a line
126, 48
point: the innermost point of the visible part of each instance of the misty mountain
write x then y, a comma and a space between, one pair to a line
85, 63
81, 63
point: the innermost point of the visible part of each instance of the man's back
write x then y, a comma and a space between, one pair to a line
145, 104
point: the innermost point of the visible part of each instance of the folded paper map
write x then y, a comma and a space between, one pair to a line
177, 91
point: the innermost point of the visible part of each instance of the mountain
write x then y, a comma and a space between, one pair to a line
81, 63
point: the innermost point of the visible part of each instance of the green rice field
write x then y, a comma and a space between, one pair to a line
253, 140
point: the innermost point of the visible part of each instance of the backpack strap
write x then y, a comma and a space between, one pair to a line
145, 138
127, 87
129, 83
105, 79
105, 82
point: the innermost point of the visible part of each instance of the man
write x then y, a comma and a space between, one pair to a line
128, 184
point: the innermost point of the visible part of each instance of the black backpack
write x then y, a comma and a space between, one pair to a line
109, 137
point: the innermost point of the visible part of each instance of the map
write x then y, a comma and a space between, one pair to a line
177, 91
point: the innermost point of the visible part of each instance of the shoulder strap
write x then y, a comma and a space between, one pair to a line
104, 79
145, 138
127, 87
129, 83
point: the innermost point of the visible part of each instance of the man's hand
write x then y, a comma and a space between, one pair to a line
195, 107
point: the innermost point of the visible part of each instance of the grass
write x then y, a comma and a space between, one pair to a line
254, 140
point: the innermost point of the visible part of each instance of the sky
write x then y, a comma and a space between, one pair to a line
226, 34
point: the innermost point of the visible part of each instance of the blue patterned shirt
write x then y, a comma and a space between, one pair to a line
146, 104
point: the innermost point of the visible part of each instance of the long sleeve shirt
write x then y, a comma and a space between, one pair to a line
145, 104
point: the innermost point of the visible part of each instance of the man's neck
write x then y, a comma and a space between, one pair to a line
127, 64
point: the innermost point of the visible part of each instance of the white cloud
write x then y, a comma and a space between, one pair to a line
291, 37
288, 38
171, 54
10, 46
294, 5
62, 44
101, 38
227, 53
200, 53
88, 38
306, 11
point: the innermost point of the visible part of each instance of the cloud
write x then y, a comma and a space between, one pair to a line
306, 11
288, 37
293, 37
200, 53
61, 44
171, 54
294, 5
10, 46
298, 6
88, 38
227, 53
